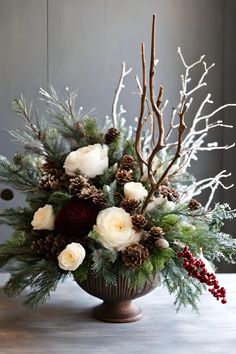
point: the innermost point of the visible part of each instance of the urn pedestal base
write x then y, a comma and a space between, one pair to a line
117, 306
117, 312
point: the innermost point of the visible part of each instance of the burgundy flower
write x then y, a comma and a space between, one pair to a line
76, 218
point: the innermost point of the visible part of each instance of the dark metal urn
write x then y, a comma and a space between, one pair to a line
117, 306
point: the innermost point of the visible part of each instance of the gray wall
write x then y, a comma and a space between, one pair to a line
81, 43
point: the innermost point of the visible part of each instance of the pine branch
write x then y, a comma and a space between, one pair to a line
105, 179
20, 218
37, 199
41, 276
68, 128
91, 132
24, 179
187, 290
108, 192
16, 247
102, 265
82, 272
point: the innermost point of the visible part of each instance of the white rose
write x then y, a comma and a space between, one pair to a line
91, 160
135, 190
114, 226
71, 257
44, 218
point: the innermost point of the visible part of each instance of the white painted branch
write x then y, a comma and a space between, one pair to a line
216, 111
117, 93
196, 188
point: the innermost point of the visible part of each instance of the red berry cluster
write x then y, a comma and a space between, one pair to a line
196, 269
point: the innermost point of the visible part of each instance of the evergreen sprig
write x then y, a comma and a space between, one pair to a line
102, 265
20, 218
17, 175
187, 290
42, 276
16, 247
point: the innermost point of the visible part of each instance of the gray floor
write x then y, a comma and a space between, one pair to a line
64, 325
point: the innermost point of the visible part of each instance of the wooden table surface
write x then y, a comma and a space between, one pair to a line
64, 325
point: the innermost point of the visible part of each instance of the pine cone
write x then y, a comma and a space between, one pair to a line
48, 246
50, 167
110, 135
134, 256
87, 192
170, 193
93, 193
130, 205
139, 221
57, 181
128, 163
156, 231
148, 241
194, 204
99, 198
123, 176
151, 239
77, 183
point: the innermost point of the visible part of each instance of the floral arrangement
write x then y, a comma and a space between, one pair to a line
116, 199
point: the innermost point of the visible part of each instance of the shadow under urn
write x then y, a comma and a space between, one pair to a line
117, 306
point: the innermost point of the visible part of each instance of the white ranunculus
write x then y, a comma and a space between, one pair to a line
71, 257
44, 218
91, 160
135, 190
114, 225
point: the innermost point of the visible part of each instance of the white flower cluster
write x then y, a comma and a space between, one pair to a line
114, 224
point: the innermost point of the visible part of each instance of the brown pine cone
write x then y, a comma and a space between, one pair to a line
48, 246
156, 231
139, 221
110, 135
87, 192
51, 167
194, 204
130, 205
57, 181
124, 176
93, 193
148, 241
134, 256
128, 163
170, 193
99, 198
77, 183
151, 239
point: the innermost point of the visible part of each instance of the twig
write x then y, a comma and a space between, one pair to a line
160, 143
182, 128
138, 138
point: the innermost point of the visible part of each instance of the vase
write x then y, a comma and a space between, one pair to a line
117, 306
